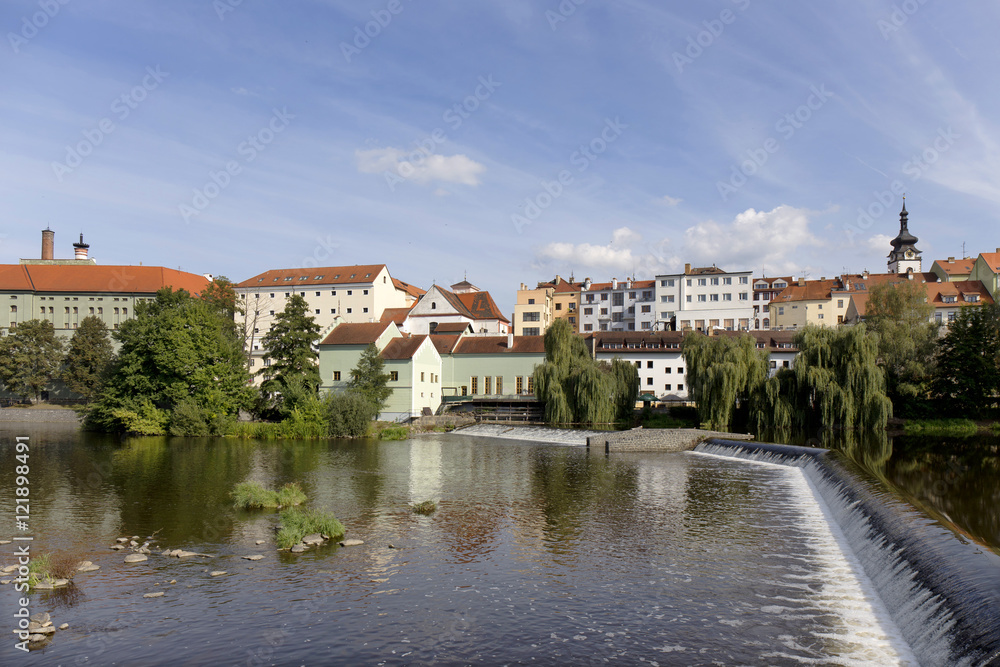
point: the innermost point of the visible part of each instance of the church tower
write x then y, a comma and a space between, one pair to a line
904, 256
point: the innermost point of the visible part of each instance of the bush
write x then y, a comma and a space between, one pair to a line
954, 427
188, 419
350, 415
254, 495
140, 418
425, 508
394, 433
296, 523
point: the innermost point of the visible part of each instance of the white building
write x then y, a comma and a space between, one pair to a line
656, 355
335, 294
628, 305
765, 289
704, 299
441, 310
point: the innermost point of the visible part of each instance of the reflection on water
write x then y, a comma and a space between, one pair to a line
956, 480
537, 553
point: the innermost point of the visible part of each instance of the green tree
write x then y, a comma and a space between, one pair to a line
900, 316
89, 358
578, 389
369, 380
968, 363
724, 375
836, 380
176, 349
30, 357
291, 354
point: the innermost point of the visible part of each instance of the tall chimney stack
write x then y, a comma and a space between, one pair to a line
48, 243
81, 249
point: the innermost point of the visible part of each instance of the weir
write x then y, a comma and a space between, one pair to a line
942, 592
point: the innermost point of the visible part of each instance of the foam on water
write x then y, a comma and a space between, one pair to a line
946, 615
554, 436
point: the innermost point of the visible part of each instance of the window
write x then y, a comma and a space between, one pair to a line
434, 305
688, 299
364, 292
840, 303
820, 316
317, 311
680, 387
531, 302
781, 310
558, 306
519, 385
668, 369
588, 311
272, 295
421, 376
715, 281
350, 292
666, 283
744, 280
727, 281
363, 310
349, 310
714, 297
951, 317
647, 309
666, 387
531, 384
649, 381
531, 317
744, 296
680, 370
727, 297
394, 376
336, 376
302, 294
649, 364
487, 385
701, 297
499, 384
91, 310
588, 327
531, 331
647, 295
317, 293
604, 311
702, 282
590, 298
287, 294
475, 385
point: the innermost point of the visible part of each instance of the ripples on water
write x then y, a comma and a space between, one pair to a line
537, 554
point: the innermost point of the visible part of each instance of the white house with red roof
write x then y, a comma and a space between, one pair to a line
464, 304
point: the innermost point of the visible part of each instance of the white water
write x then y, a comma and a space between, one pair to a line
555, 436
906, 611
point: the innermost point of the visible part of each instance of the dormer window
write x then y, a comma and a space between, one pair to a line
972, 298
950, 298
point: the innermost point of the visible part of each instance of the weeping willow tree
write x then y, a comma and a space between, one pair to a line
578, 389
836, 379
724, 374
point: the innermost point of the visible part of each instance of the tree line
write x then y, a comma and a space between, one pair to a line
182, 367
857, 377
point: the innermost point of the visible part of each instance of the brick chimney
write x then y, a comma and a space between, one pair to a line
687, 269
48, 243
81, 249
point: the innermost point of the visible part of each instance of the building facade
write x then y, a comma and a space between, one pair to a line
628, 305
704, 299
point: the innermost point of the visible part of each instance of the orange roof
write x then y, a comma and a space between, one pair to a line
451, 328
992, 260
704, 270
412, 290
356, 333
403, 348
498, 345
397, 315
481, 305
961, 289
811, 290
93, 278
444, 344
324, 275
623, 285
860, 301
952, 266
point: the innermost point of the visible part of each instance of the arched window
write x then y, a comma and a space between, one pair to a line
434, 305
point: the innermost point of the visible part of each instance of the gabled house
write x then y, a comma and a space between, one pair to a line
953, 270
439, 307
987, 270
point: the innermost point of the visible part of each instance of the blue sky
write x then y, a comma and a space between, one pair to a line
511, 140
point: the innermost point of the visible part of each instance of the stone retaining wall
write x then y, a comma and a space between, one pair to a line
657, 439
451, 418
38, 415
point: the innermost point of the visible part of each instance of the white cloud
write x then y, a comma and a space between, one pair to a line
240, 91
880, 243
420, 167
774, 239
779, 240
667, 200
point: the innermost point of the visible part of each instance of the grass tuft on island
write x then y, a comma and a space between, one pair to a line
947, 427
394, 433
425, 508
297, 522
255, 496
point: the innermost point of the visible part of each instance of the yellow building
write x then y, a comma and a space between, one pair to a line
537, 308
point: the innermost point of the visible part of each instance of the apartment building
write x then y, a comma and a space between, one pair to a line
704, 299
764, 290
627, 305
537, 308
335, 294
65, 291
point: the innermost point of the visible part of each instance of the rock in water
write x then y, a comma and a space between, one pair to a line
41, 618
64, 626
351, 543
218, 573
313, 539
121, 540
136, 558
260, 541
89, 568
254, 557
153, 595
299, 548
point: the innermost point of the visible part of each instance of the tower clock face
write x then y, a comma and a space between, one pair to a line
909, 254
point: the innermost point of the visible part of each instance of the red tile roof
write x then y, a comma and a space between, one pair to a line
324, 275
412, 290
952, 266
397, 315
356, 333
992, 260
498, 345
451, 327
444, 344
960, 289
403, 348
482, 306
94, 278
812, 290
